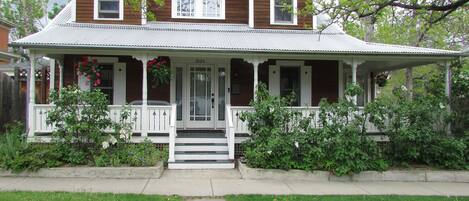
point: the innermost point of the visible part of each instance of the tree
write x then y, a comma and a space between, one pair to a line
429, 11
24, 14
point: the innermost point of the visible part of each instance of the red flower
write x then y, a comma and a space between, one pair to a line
98, 74
88, 77
95, 60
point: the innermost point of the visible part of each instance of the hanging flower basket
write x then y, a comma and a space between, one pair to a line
91, 70
159, 71
382, 79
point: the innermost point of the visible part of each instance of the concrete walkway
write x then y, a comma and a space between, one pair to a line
225, 182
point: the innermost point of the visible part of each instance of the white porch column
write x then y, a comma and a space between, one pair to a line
251, 13
341, 80
144, 60
61, 76
354, 64
31, 92
448, 92
255, 64
51, 75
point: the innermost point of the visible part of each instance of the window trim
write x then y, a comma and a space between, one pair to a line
272, 14
96, 11
197, 15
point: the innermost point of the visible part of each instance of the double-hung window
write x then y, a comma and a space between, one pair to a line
283, 12
198, 9
108, 9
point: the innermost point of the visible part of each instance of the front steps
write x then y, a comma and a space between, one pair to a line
201, 149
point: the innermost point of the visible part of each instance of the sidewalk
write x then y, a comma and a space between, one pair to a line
225, 182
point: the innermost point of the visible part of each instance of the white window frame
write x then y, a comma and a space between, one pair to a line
198, 11
121, 11
272, 14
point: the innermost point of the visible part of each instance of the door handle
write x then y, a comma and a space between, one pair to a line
213, 100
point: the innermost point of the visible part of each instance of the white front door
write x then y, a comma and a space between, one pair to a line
201, 97
201, 92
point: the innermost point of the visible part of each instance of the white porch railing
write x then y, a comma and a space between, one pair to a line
172, 134
230, 132
240, 126
158, 118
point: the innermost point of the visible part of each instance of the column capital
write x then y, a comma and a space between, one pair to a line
141, 57
255, 60
353, 61
35, 55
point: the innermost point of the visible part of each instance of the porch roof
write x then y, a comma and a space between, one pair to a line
61, 33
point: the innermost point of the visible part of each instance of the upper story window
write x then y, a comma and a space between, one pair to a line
201, 9
281, 12
108, 9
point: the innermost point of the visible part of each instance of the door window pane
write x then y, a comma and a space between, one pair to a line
221, 94
290, 83
179, 93
200, 94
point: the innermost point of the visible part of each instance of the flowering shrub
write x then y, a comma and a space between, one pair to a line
417, 130
80, 118
159, 70
91, 70
281, 138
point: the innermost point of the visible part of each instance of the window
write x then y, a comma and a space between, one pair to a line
203, 9
281, 13
290, 83
106, 85
108, 9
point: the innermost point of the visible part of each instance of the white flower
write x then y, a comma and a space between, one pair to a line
271, 110
403, 88
123, 135
442, 106
105, 144
297, 145
269, 152
112, 140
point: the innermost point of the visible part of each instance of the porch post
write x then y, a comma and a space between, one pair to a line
341, 80
144, 60
354, 79
354, 64
51, 75
255, 64
61, 76
31, 90
448, 92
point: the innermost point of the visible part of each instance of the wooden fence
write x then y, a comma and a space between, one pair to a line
12, 101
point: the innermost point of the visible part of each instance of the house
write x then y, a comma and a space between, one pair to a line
218, 50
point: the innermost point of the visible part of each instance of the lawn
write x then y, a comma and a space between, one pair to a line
60, 196
341, 198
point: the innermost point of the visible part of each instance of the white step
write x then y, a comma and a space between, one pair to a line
201, 156
201, 140
201, 148
186, 166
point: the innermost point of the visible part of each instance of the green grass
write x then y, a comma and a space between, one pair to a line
341, 198
61, 196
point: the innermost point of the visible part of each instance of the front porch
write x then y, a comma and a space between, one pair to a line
204, 94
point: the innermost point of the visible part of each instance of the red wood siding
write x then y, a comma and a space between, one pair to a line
85, 8
262, 16
324, 81
236, 11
